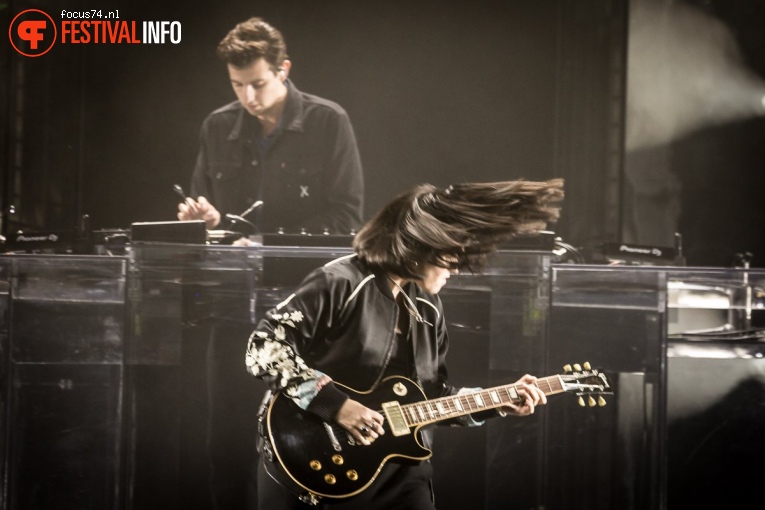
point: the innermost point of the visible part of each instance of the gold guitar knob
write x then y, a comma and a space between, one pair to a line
338, 459
352, 475
601, 401
587, 365
577, 367
330, 479
580, 400
567, 368
591, 401
315, 465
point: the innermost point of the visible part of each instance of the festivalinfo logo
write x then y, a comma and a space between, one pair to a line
34, 32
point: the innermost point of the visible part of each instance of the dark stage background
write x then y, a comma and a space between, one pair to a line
694, 153
437, 92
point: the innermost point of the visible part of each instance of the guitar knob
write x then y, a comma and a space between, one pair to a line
352, 475
591, 401
587, 365
577, 367
399, 389
315, 465
580, 400
601, 401
330, 479
338, 459
567, 368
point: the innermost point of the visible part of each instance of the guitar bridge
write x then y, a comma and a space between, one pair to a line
396, 419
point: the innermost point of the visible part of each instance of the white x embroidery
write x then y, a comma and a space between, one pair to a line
303, 191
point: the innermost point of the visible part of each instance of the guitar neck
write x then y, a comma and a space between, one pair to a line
445, 408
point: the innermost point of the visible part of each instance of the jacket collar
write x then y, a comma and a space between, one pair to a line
383, 283
293, 114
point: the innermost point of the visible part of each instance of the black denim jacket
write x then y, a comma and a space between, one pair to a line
311, 176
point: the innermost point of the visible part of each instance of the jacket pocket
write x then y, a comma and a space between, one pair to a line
223, 172
229, 186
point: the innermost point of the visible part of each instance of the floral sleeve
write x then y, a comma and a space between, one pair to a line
271, 355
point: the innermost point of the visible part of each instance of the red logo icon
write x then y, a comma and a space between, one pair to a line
32, 33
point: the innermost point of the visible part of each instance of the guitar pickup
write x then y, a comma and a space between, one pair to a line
396, 420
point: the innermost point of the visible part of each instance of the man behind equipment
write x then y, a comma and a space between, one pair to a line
297, 154
294, 151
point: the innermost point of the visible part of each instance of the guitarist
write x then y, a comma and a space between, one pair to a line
376, 313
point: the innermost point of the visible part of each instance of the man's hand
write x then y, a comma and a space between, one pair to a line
530, 393
199, 209
364, 424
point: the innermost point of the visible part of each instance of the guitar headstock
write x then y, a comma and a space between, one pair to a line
583, 380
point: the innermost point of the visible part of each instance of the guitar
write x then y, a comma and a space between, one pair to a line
323, 460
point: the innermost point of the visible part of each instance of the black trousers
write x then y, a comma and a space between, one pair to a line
397, 487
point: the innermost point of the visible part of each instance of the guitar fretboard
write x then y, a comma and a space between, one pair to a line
444, 408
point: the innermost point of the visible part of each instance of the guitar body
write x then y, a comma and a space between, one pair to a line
320, 459
323, 459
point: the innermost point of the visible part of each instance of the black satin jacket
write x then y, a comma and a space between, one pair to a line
341, 322
347, 318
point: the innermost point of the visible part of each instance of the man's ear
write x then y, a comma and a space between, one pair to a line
284, 70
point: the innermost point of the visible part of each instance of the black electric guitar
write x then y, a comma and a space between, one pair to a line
320, 459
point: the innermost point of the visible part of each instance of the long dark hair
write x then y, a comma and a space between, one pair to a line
459, 227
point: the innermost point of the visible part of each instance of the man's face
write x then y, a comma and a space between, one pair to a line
258, 87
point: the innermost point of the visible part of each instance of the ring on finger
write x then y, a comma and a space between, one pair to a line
364, 430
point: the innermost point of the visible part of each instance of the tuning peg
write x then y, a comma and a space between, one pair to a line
601, 401
567, 368
587, 365
577, 367
580, 400
591, 401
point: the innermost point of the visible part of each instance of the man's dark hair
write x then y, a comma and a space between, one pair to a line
459, 227
251, 40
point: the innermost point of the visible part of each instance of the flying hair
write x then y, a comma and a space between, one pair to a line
457, 227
